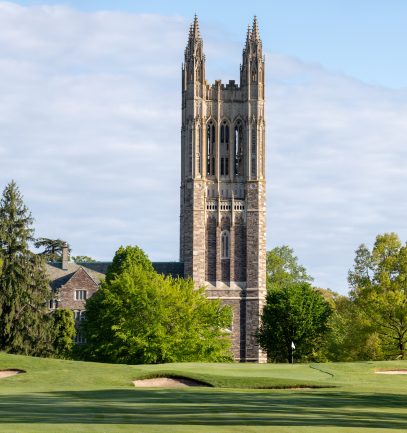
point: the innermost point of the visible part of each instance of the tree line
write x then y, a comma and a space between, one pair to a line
139, 316
306, 323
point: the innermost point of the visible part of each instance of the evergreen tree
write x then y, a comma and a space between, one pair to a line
24, 290
64, 332
52, 248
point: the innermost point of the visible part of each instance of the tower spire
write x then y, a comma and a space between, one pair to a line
255, 29
248, 36
195, 26
194, 60
194, 38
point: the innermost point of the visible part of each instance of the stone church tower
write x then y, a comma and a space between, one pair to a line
223, 187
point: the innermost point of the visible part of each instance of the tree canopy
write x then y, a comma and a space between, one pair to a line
83, 259
283, 268
24, 290
139, 316
379, 287
294, 314
63, 324
52, 248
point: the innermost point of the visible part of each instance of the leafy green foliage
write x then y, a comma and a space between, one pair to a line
83, 259
295, 313
24, 290
126, 258
379, 289
64, 332
283, 268
141, 317
350, 335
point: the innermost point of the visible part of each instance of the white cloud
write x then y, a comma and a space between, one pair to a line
90, 121
337, 154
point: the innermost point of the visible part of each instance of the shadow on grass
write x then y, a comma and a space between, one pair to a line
203, 407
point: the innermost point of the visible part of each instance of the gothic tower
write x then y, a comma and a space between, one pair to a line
223, 214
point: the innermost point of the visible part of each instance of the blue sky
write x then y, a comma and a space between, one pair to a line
362, 38
90, 120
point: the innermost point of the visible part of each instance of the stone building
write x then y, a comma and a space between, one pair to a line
223, 215
72, 284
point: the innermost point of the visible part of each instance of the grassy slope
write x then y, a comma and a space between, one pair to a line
67, 396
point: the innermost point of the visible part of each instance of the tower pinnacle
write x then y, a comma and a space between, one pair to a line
194, 60
248, 36
255, 30
196, 32
194, 44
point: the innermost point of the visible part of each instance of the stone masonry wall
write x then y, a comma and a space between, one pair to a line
79, 281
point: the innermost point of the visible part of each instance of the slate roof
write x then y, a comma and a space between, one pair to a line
97, 271
58, 276
175, 269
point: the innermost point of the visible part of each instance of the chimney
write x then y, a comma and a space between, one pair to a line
65, 257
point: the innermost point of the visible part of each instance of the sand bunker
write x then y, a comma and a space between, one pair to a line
166, 382
10, 372
391, 372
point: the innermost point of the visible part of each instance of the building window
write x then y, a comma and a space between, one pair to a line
224, 149
199, 149
225, 244
79, 338
254, 152
79, 314
210, 148
238, 149
53, 304
80, 295
190, 153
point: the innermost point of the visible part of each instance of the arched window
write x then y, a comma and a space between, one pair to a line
225, 244
238, 165
190, 144
224, 149
210, 149
254, 151
199, 149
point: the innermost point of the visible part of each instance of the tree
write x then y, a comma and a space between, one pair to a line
141, 317
125, 258
350, 336
379, 287
83, 259
24, 290
295, 313
64, 332
52, 248
283, 268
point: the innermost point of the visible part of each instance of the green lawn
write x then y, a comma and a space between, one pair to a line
66, 396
